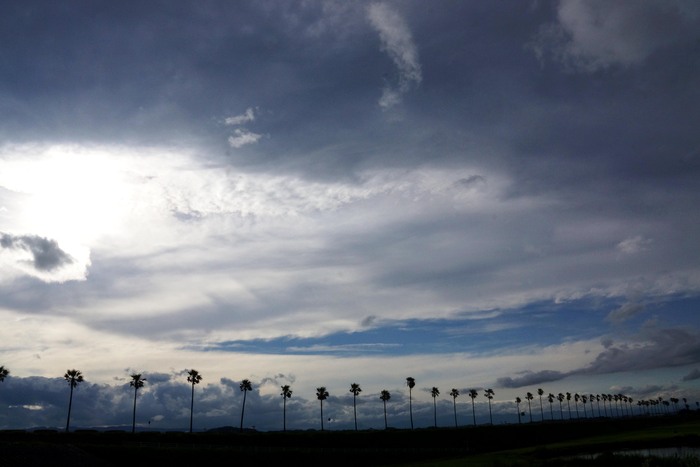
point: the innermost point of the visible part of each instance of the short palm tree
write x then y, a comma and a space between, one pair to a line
489, 395
518, 400
434, 392
321, 395
73, 377
473, 393
529, 398
355, 390
411, 383
193, 377
454, 393
3, 373
286, 394
385, 396
136, 382
245, 387
540, 392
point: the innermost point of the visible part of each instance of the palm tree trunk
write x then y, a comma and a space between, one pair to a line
385, 423
245, 393
284, 414
454, 405
410, 406
133, 418
354, 409
434, 413
321, 414
473, 412
490, 416
191, 408
70, 405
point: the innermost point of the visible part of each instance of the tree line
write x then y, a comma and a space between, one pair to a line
613, 405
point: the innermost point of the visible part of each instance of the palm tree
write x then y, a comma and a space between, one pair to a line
411, 383
385, 396
355, 390
245, 387
321, 394
434, 392
193, 377
529, 398
73, 377
550, 398
576, 399
560, 398
3, 373
584, 399
489, 395
286, 394
454, 393
473, 393
136, 382
540, 392
568, 403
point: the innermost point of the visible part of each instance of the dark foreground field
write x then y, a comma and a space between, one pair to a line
547, 444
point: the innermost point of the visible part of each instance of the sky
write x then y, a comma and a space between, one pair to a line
317, 193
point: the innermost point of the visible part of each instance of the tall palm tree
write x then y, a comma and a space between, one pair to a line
321, 395
193, 377
550, 398
560, 398
518, 400
73, 377
434, 392
136, 382
245, 386
454, 393
568, 403
286, 394
577, 398
385, 396
3, 373
540, 392
355, 390
584, 399
529, 398
489, 395
411, 383
473, 393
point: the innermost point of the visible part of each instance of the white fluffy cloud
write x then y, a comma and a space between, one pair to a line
397, 42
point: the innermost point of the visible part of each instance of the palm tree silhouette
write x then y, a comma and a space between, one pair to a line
473, 393
73, 377
540, 392
3, 373
576, 399
136, 382
411, 383
245, 387
385, 396
454, 393
355, 390
529, 398
550, 398
568, 403
434, 392
560, 398
518, 400
321, 394
286, 394
193, 377
489, 395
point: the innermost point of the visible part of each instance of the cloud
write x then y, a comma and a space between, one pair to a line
624, 312
246, 117
243, 137
46, 254
594, 35
397, 42
530, 378
693, 375
632, 245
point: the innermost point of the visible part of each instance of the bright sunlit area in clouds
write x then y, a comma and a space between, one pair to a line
338, 192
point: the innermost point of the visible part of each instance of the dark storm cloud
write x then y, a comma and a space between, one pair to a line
653, 348
693, 375
46, 254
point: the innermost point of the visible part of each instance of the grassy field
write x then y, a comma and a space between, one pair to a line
538, 444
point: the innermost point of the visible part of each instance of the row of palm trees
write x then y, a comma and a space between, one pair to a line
622, 403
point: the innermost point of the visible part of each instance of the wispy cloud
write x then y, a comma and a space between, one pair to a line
243, 137
246, 117
397, 42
